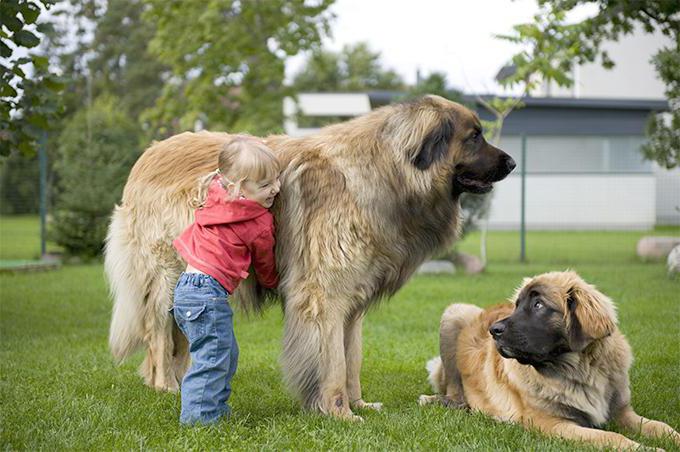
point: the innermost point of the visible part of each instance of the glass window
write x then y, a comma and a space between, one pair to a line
579, 154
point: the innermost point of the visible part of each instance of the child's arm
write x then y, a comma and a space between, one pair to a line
264, 262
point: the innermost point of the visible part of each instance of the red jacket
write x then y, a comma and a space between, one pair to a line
227, 237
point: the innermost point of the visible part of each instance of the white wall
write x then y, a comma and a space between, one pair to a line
576, 201
633, 76
667, 196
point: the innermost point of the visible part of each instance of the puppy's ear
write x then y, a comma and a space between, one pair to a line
435, 145
592, 315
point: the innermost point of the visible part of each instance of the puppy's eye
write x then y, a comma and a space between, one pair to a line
538, 305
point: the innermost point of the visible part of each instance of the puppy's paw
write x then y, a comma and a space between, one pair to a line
360, 404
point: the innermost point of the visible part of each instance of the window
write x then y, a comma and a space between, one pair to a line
579, 154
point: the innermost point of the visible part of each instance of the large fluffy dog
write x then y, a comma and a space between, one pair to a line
554, 360
362, 204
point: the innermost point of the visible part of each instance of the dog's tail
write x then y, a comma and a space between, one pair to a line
127, 291
301, 359
435, 371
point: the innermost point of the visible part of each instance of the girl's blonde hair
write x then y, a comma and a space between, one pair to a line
243, 158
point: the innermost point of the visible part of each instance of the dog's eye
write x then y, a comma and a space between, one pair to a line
538, 305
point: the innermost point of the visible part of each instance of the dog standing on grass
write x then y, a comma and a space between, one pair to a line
554, 360
362, 204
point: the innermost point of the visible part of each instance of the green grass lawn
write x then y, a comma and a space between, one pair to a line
20, 238
59, 389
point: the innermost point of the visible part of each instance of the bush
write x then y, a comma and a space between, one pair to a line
19, 184
96, 151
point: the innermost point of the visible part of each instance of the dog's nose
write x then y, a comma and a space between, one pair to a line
510, 164
497, 329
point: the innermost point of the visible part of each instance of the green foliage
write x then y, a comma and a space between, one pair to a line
96, 151
227, 59
435, 83
19, 184
552, 46
29, 102
121, 64
664, 130
355, 69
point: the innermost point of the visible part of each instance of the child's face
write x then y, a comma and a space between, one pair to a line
262, 192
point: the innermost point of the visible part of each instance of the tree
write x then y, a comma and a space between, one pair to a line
436, 83
553, 46
27, 87
97, 149
354, 69
664, 130
227, 59
19, 188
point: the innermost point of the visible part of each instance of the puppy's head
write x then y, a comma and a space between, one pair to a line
555, 313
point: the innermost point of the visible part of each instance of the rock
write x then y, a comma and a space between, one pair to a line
430, 267
656, 248
673, 261
470, 264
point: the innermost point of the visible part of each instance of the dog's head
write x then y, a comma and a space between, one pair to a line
555, 313
442, 137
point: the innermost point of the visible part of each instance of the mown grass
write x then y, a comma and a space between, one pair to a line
20, 238
59, 389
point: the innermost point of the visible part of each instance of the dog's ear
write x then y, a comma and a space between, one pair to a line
419, 131
435, 145
592, 315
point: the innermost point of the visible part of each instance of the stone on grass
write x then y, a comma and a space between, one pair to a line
656, 248
436, 267
470, 264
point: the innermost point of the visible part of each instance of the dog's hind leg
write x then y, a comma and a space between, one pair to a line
353, 357
158, 368
454, 319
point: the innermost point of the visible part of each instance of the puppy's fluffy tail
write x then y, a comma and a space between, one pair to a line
127, 291
435, 371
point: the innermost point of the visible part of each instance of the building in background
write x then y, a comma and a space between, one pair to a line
584, 169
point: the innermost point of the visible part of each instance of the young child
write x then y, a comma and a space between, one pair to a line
232, 229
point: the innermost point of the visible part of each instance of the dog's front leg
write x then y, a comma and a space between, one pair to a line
353, 358
629, 419
570, 430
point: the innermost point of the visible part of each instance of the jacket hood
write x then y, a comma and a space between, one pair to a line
219, 210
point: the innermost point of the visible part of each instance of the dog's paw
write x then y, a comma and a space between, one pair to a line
427, 399
458, 404
360, 404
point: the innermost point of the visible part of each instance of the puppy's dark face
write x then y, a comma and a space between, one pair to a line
535, 333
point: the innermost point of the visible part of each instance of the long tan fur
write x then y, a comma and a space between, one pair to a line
585, 387
362, 204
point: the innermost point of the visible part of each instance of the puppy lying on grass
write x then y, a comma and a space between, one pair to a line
554, 360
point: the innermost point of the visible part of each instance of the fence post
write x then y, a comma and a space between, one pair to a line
522, 231
42, 159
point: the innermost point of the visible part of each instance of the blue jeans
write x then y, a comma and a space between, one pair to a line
202, 312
